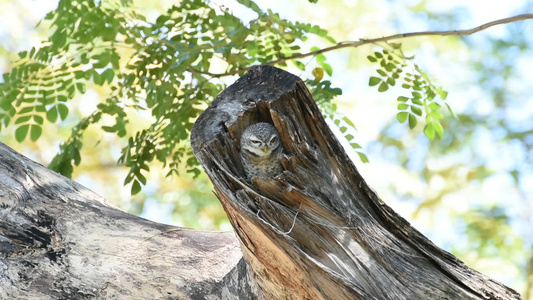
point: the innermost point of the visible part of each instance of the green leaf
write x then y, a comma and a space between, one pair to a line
417, 101
363, 157
108, 75
383, 87
98, 79
38, 119
23, 119
63, 110
402, 99
434, 106
300, 65
320, 58
450, 110
371, 58
35, 132
416, 110
429, 131
438, 129
374, 81
355, 145
327, 68
51, 114
135, 187
430, 95
81, 87
402, 116
412, 121
396, 45
349, 122
436, 115
109, 128
403, 106
331, 40
442, 94
389, 67
322, 32
21, 132
141, 178
381, 72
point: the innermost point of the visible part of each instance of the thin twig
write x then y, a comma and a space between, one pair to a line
362, 42
294, 220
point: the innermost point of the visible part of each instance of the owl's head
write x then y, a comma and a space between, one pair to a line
260, 139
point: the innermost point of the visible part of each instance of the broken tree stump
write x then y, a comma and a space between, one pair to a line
317, 231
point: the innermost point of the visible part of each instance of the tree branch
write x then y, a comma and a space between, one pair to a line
59, 240
361, 42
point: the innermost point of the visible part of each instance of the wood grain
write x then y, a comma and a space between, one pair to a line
318, 231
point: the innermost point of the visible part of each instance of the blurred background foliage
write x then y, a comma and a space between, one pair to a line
471, 192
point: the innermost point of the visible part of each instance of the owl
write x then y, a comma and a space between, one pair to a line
261, 150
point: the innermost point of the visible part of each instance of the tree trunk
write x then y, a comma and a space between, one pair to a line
58, 240
318, 231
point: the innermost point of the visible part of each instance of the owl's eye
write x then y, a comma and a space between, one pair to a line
256, 142
273, 140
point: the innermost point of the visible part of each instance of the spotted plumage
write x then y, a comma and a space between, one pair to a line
261, 150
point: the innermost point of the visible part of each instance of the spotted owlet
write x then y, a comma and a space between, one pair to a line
261, 151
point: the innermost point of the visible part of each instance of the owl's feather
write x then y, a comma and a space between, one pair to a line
261, 151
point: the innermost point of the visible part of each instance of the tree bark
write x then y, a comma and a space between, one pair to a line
59, 240
318, 231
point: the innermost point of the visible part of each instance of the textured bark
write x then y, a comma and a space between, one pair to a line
59, 240
318, 231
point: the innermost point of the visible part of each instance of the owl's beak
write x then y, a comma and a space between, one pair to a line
265, 149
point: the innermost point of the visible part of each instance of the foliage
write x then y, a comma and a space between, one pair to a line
481, 225
345, 125
422, 101
164, 68
487, 148
166, 72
